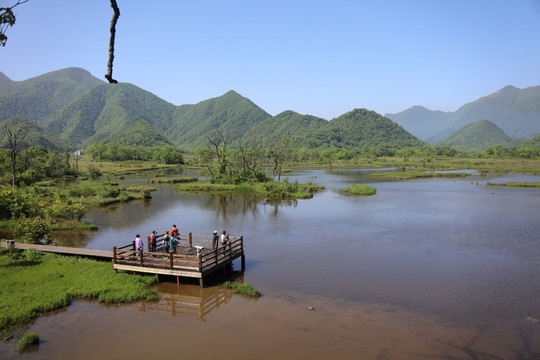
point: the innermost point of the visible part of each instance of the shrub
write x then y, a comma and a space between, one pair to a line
33, 255
31, 231
362, 190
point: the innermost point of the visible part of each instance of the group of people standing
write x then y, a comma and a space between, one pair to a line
171, 237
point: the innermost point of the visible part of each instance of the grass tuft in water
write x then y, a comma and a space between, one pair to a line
242, 288
28, 339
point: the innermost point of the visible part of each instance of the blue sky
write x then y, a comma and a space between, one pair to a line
322, 58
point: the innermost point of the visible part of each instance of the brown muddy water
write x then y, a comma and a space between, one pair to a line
429, 269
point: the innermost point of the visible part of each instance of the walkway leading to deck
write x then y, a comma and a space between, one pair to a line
102, 254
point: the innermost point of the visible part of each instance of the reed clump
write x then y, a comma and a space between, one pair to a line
31, 338
242, 288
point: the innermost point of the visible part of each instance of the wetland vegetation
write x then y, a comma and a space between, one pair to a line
53, 281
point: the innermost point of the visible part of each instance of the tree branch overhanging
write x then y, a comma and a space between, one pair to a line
7, 19
115, 17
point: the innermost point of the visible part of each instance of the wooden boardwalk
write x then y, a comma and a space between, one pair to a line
194, 257
101, 254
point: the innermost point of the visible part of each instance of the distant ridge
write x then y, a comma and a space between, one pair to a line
516, 111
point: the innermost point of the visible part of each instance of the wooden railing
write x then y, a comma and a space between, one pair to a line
203, 260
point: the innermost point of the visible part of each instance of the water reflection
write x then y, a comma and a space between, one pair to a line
233, 204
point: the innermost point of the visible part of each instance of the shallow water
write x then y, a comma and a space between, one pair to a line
439, 268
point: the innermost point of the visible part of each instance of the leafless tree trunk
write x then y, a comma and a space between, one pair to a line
16, 141
115, 17
218, 145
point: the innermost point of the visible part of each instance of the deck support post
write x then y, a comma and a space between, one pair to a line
114, 255
190, 239
171, 260
243, 262
141, 257
178, 280
201, 282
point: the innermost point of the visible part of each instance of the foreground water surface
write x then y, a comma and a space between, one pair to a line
434, 269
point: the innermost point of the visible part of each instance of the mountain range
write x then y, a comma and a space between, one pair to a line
72, 109
516, 111
79, 109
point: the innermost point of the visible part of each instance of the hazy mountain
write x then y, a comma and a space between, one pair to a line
421, 122
361, 127
477, 136
515, 111
288, 124
39, 97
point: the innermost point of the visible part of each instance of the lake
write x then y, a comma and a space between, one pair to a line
438, 268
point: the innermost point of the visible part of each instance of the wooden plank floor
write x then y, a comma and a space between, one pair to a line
103, 254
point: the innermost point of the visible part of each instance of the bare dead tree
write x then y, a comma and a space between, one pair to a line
16, 141
115, 17
252, 154
218, 143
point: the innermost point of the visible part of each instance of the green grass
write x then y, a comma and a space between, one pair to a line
516, 184
28, 339
31, 285
362, 190
416, 174
138, 188
242, 288
174, 180
271, 189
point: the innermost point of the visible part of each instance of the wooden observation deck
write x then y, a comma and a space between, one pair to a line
194, 257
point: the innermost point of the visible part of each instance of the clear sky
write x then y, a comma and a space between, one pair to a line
322, 58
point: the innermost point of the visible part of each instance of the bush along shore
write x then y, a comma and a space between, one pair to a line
53, 281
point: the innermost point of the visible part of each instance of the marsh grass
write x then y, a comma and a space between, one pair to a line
361, 190
242, 288
173, 180
139, 188
405, 174
32, 285
516, 184
27, 340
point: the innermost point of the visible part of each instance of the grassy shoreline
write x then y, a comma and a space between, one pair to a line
53, 281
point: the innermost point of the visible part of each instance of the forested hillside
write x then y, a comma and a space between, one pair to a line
361, 127
82, 110
288, 124
478, 136
39, 97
